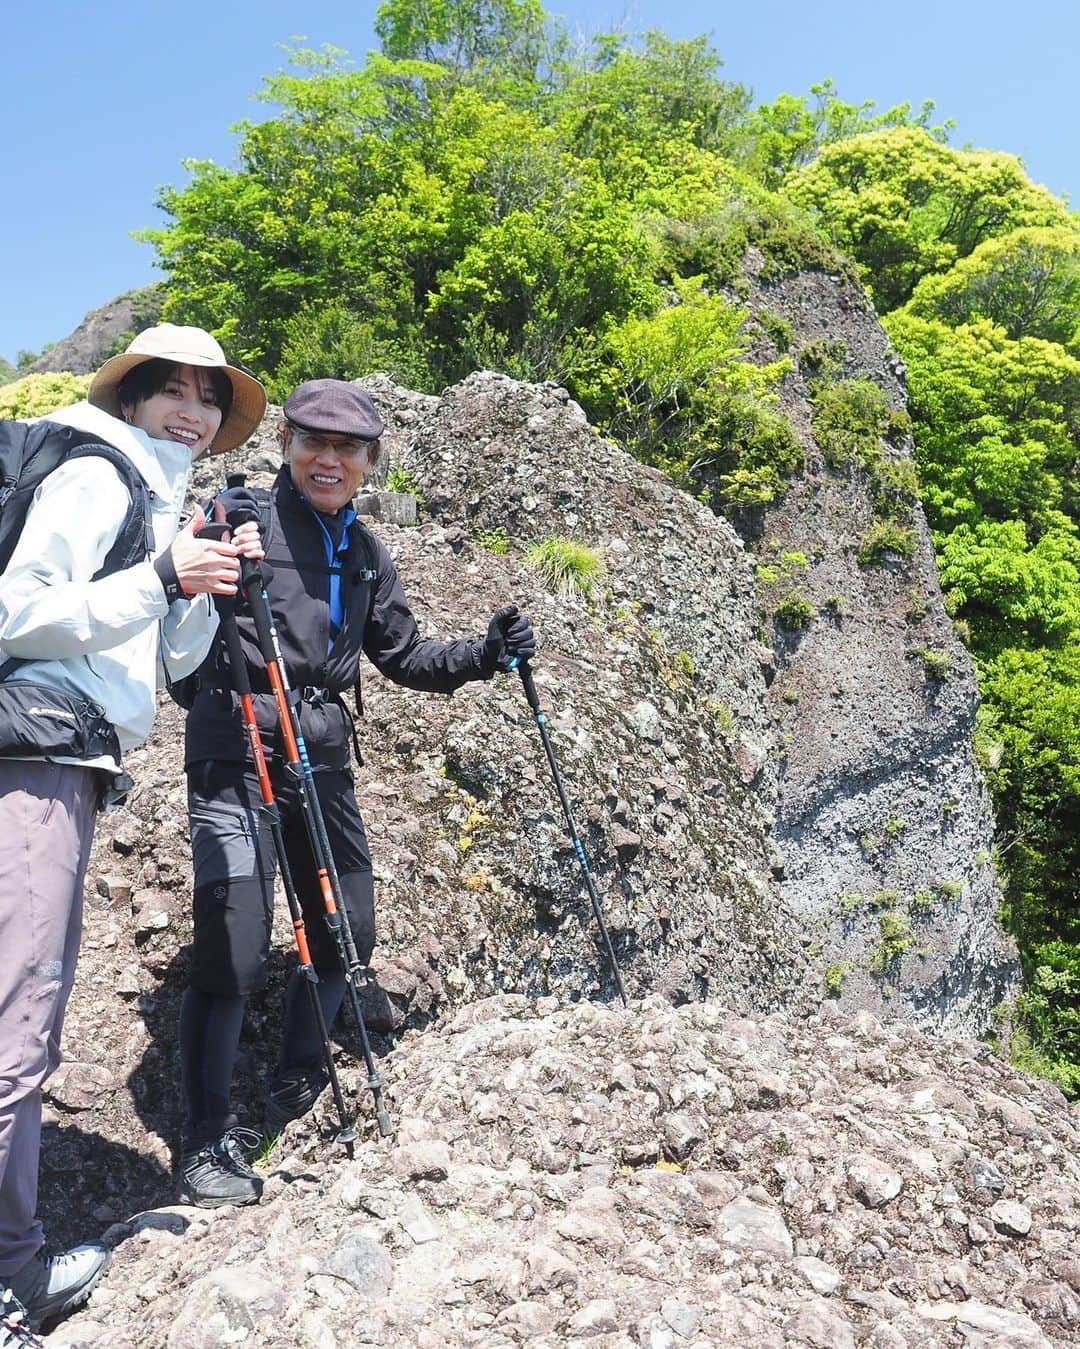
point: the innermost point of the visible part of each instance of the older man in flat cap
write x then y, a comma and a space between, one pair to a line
334, 595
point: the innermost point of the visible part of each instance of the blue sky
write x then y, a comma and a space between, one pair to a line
101, 101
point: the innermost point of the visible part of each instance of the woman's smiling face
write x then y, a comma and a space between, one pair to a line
185, 410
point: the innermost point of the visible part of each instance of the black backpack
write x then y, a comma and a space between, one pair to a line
28, 454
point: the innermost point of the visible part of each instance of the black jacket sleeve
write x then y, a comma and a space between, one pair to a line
393, 644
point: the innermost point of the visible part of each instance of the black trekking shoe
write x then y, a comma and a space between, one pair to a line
218, 1172
290, 1095
15, 1332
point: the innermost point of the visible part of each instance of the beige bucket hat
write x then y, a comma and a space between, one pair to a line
184, 346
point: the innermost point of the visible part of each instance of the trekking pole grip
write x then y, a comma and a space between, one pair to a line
252, 576
226, 607
529, 685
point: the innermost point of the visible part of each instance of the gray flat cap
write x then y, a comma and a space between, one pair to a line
332, 405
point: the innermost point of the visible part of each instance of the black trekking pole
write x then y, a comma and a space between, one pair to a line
529, 686
241, 682
297, 763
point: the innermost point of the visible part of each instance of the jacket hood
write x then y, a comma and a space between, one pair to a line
159, 461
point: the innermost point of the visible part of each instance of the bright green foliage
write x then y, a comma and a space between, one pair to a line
501, 40
895, 930
997, 418
790, 132
795, 612
566, 566
849, 420
35, 395
495, 541
8, 373
885, 537
326, 341
675, 386
1026, 282
905, 206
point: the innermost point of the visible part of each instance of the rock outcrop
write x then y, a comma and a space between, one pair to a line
96, 337
883, 824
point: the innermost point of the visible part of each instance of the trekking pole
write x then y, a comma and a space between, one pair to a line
241, 682
253, 579
529, 686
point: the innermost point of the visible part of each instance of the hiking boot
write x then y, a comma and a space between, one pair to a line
290, 1095
50, 1288
218, 1172
15, 1332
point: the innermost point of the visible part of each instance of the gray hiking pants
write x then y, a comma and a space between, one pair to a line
46, 827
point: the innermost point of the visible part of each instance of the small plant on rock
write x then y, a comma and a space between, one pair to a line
494, 540
882, 538
834, 979
400, 480
795, 612
895, 929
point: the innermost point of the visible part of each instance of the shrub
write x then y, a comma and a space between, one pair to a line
848, 420
795, 612
566, 566
884, 537
36, 395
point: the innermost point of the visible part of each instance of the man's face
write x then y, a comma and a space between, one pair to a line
327, 469
185, 410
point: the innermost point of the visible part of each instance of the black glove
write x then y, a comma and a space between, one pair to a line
509, 635
230, 500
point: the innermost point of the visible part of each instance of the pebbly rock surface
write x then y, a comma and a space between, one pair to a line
579, 1175
884, 824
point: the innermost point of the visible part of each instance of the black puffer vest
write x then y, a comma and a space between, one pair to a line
377, 622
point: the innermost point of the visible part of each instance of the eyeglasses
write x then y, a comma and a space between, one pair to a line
345, 446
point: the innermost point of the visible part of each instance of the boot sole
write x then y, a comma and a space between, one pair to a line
215, 1201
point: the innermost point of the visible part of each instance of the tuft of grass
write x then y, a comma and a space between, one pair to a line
566, 566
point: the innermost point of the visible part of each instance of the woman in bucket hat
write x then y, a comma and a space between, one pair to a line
101, 639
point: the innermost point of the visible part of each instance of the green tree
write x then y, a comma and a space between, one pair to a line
789, 132
1026, 282
905, 206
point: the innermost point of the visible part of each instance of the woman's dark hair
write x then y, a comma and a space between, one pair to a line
147, 378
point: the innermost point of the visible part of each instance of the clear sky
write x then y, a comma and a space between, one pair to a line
101, 100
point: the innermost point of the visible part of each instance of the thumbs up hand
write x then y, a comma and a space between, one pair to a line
204, 566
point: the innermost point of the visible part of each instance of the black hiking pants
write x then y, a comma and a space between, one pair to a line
235, 863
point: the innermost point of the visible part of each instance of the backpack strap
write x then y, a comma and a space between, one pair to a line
135, 541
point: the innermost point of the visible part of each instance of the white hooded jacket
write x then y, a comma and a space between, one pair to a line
109, 640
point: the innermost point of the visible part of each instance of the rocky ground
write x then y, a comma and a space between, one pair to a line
655, 1177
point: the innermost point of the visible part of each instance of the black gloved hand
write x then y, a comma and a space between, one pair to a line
509, 634
230, 500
